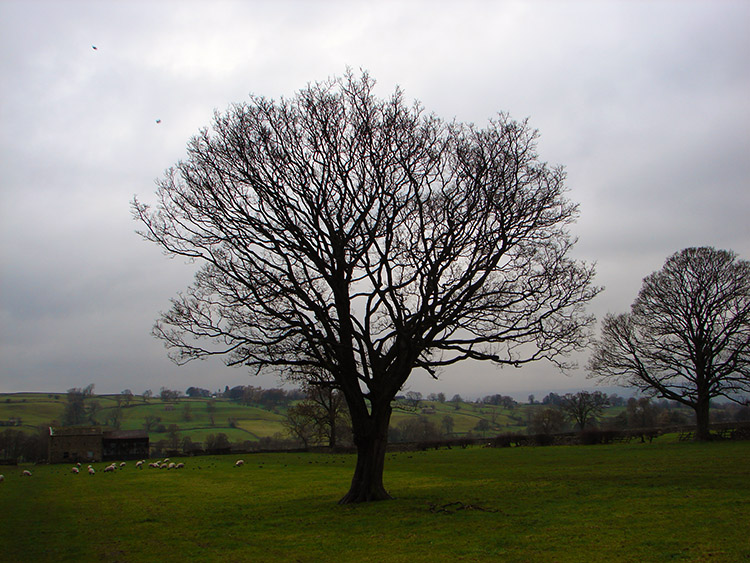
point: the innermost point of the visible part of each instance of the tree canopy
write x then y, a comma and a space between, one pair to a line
362, 238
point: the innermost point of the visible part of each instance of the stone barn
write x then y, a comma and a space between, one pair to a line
70, 445
91, 443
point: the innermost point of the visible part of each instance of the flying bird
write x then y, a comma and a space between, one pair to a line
94, 48
158, 120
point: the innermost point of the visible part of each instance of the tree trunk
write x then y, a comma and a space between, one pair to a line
702, 431
371, 439
332, 435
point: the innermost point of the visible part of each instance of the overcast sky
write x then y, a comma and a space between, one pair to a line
646, 104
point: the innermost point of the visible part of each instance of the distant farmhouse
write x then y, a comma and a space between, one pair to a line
91, 443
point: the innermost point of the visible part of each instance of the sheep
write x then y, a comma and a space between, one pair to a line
91, 470
26, 473
122, 464
2, 478
171, 465
109, 469
239, 462
179, 465
139, 464
74, 469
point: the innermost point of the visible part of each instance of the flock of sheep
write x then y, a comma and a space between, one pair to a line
161, 464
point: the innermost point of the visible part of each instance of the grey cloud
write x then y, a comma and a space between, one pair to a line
644, 103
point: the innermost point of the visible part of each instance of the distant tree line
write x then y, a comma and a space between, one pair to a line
583, 410
20, 446
250, 395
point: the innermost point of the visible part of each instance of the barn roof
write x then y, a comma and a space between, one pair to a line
126, 435
75, 431
97, 431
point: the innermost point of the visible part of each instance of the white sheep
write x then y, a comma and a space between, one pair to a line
179, 465
26, 473
171, 465
91, 470
239, 462
139, 464
2, 478
122, 464
74, 469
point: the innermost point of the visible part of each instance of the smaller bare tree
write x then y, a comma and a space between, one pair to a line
413, 398
326, 409
127, 396
583, 407
300, 423
547, 421
446, 424
115, 417
687, 337
93, 408
150, 422
640, 413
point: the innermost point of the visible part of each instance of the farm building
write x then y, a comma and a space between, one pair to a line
91, 443
124, 444
75, 444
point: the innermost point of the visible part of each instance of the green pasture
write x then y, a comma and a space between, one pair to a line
33, 408
197, 418
466, 417
629, 502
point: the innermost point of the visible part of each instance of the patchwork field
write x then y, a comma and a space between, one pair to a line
629, 502
197, 418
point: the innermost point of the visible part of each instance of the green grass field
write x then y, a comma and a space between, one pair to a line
631, 502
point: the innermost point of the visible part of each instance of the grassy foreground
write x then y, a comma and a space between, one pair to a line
634, 502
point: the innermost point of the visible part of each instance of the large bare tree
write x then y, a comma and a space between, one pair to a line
361, 237
687, 337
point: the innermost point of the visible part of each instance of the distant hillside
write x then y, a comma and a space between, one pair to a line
198, 418
193, 417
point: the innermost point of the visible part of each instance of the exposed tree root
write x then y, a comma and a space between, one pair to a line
453, 507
